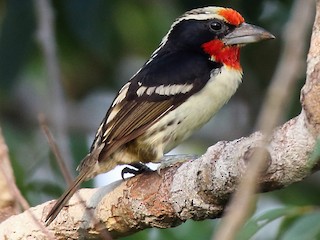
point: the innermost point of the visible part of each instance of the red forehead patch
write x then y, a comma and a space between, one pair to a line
231, 16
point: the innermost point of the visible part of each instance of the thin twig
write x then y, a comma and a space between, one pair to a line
55, 149
22, 201
67, 176
284, 80
8, 200
47, 43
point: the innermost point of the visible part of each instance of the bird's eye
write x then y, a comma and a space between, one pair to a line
216, 26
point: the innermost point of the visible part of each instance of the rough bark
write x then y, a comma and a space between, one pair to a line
196, 189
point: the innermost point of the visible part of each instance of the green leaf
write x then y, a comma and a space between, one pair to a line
306, 228
258, 222
189, 230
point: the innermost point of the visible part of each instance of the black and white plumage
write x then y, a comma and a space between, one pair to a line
185, 82
151, 94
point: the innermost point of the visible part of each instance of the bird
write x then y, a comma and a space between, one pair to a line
188, 78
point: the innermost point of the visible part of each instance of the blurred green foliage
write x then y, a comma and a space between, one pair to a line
100, 45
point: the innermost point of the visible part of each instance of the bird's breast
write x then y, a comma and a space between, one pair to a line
198, 109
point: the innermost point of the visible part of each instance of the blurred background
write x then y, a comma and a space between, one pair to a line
99, 46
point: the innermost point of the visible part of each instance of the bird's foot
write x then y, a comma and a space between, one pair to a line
170, 160
140, 168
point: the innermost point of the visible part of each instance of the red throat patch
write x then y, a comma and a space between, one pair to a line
228, 55
231, 16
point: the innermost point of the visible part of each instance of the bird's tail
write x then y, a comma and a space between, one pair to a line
62, 201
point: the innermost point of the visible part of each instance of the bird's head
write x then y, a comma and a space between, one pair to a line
215, 31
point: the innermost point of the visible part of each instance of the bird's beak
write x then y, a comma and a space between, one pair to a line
247, 33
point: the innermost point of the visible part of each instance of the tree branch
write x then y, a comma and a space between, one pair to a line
197, 189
